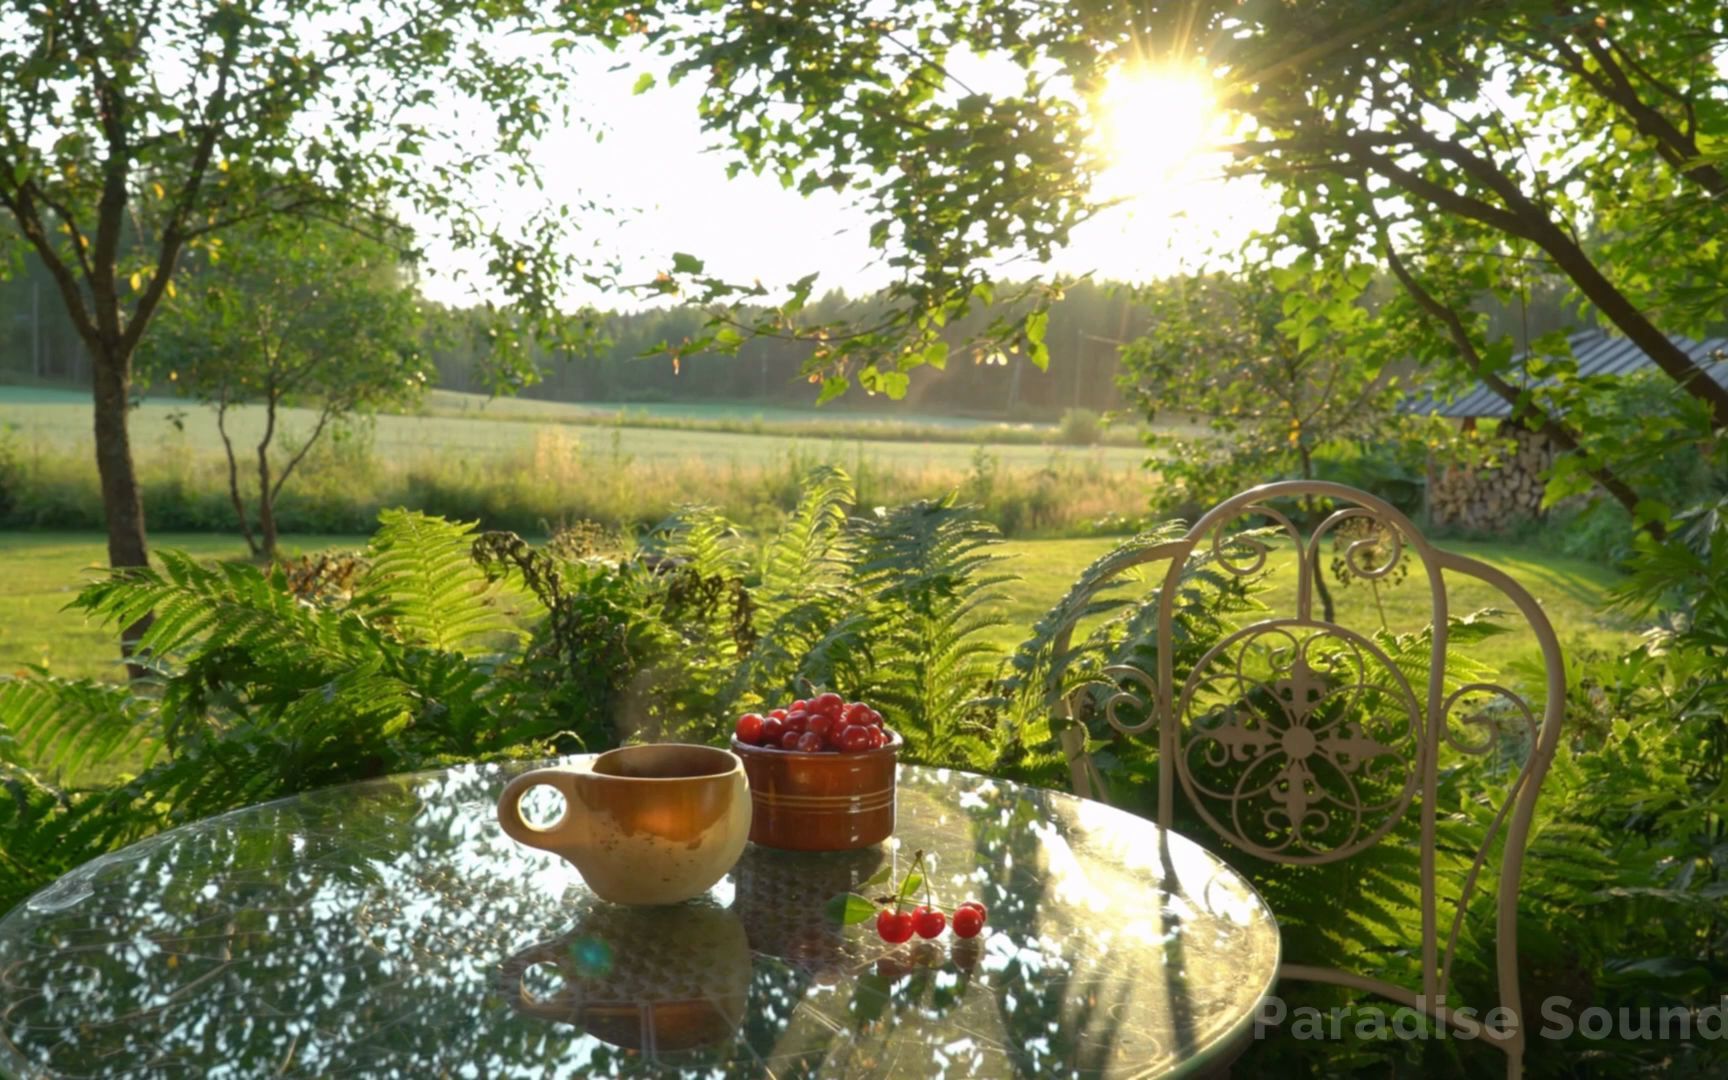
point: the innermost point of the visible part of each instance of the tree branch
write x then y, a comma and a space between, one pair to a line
173, 234
1557, 433
324, 416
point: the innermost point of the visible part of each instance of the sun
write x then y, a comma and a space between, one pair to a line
1154, 126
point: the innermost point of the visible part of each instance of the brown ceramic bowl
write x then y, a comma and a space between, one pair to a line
820, 801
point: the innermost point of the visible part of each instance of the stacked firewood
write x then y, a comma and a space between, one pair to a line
1492, 498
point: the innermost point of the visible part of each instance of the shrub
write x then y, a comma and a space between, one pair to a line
1080, 427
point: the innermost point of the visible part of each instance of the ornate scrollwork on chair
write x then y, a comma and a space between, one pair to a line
1298, 740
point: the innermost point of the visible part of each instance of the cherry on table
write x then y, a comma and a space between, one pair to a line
893, 926
928, 922
968, 920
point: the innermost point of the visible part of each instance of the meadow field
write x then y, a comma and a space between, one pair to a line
476, 428
530, 466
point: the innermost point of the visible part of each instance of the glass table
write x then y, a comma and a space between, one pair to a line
390, 929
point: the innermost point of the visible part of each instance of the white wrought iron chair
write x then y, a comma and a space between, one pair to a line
1328, 743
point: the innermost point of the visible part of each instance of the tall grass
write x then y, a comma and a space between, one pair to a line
565, 475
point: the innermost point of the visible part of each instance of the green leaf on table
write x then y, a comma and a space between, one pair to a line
878, 877
911, 885
849, 909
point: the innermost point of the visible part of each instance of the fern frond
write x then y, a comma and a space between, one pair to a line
59, 725
812, 545
424, 580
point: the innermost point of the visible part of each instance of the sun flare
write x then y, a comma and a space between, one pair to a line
1155, 126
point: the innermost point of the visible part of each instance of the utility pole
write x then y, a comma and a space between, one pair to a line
1079, 355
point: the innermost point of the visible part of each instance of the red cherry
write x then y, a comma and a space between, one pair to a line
878, 737
854, 738
798, 706
749, 728
829, 703
983, 913
772, 729
789, 741
810, 742
854, 713
778, 714
928, 922
968, 920
820, 725
873, 717
893, 926
797, 720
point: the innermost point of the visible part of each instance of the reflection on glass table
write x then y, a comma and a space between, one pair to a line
390, 929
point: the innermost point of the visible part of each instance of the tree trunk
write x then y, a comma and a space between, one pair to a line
1328, 612
266, 495
122, 500
234, 476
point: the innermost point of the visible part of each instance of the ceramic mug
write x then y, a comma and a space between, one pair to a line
644, 824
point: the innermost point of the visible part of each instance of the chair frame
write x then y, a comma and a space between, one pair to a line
1170, 702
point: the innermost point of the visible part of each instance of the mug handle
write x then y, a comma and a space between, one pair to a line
510, 808
526, 1002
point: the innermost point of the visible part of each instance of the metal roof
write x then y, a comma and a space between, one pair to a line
1596, 354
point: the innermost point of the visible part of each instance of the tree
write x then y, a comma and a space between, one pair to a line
1480, 145
1275, 367
314, 315
133, 133
1477, 148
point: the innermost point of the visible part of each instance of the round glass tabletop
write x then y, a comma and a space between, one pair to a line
390, 929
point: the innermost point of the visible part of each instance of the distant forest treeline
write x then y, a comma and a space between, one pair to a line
1085, 328
38, 345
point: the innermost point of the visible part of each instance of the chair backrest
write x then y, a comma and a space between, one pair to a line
1299, 740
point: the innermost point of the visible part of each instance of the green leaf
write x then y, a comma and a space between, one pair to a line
1040, 356
850, 909
936, 354
832, 387
910, 886
1649, 510
893, 383
878, 877
685, 264
644, 83
1036, 324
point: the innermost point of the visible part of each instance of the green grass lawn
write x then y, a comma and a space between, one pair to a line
1572, 592
44, 571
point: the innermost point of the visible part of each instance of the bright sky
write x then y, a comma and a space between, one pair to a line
652, 165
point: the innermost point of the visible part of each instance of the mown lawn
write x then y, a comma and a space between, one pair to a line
1572, 592
43, 571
